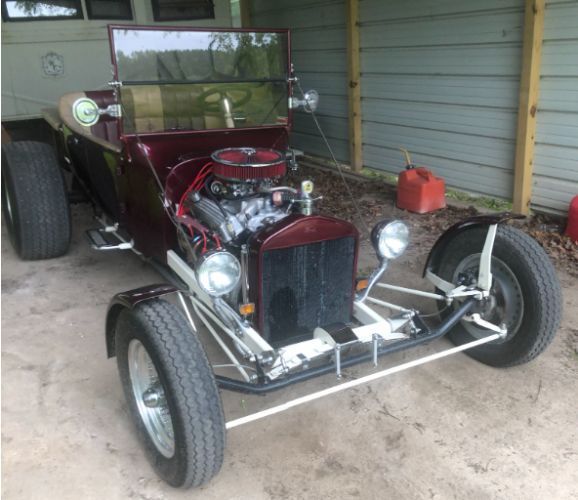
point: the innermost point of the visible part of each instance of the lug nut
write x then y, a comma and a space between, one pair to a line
151, 398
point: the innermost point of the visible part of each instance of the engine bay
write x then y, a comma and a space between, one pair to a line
234, 196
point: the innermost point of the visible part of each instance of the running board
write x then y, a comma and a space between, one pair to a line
98, 241
363, 380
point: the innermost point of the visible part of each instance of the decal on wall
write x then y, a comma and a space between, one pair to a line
53, 64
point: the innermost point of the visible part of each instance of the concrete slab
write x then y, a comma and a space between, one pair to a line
452, 429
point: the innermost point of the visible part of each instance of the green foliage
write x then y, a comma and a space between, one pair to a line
377, 175
35, 8
480, 201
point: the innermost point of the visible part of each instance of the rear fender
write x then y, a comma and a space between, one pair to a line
128, 300
440, 245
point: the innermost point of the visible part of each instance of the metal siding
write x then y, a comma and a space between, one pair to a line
318, 41
555, 179
441, 79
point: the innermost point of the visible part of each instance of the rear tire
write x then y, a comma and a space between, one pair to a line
161, 359
34, 201
525, 295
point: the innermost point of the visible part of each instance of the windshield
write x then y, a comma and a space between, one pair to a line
198, 80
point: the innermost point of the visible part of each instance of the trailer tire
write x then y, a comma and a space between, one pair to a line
525, 295
34, 200
154, 338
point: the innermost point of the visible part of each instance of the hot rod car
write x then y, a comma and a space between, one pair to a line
183, 160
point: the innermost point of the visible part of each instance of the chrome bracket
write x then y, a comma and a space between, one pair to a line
373, 279
438, 282
478, 320
337, 351
485, 272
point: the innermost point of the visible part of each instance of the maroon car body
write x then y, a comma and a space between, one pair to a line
175, 155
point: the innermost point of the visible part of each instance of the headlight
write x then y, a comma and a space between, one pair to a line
390, 238
218, 273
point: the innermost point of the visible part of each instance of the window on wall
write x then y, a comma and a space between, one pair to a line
30, 10
183, 10
108, 9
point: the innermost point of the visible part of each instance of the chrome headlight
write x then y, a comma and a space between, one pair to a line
390, 238
218, 273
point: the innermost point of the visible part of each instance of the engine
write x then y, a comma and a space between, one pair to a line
235, 195
231, 218
285, 292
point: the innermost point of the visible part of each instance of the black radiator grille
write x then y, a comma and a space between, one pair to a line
305, 287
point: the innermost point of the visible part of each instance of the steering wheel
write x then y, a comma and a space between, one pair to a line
224, 92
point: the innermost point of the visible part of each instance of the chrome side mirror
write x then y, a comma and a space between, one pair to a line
310, 101
86, 112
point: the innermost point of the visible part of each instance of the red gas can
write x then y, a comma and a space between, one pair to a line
572, 227
418, 190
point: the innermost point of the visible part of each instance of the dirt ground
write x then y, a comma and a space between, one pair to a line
450, 429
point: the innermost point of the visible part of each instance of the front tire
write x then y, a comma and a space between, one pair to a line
171, 392
525, 294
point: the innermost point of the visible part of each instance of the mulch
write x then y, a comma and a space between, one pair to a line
376, 200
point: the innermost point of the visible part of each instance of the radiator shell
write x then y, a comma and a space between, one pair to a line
313, 238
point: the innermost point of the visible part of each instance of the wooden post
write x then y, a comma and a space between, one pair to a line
354, 87
529, 89
245, 8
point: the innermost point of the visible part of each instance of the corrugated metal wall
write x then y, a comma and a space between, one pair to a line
319, 56
556, 153
441, 79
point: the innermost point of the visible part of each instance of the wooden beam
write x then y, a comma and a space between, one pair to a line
528, 105
354, 79
245, 7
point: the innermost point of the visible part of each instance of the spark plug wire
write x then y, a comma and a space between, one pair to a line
197, 183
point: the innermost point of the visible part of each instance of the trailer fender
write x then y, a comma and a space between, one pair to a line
440, 245
128, 300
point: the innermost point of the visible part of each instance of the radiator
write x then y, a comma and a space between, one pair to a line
306, 286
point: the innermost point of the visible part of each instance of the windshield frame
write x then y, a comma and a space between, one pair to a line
116, 83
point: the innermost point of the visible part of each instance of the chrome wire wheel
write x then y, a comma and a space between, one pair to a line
171, 391
504, 306
525, 294
150, 398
